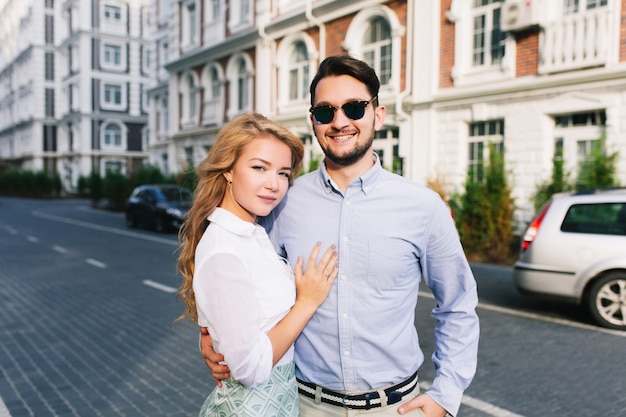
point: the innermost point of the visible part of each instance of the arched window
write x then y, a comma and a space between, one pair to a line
243, 95
377, 48
212, 111
240, 76
112, 136
191, 88
298, 72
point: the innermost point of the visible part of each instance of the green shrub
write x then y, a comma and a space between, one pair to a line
116, 189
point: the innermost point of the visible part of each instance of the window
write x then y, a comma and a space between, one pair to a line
214, 9
298, 72
112, 166
113, 94
112, 13
481, 135
212, 112
112, 136
242, 86
574, 6
239, 74
488, 39
49, 29
370, 36
377, 48
49, 97
240, 15
113, 17
165, 125
189, 95
49, 64
192, 96
602, 218
113, 55
576, 136
190, 30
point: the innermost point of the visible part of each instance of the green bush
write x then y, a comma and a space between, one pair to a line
599, 170
23, 183
116, 189
484, 214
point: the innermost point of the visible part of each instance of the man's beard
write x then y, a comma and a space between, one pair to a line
352, 157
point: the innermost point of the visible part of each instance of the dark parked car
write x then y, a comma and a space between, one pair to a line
162, 207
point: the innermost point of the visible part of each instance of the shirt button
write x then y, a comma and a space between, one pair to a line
345, 238
344, 315
346, 353
348, 203
343, 277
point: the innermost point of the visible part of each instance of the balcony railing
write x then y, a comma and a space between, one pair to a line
580, 40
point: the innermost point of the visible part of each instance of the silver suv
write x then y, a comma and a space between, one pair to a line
575, 249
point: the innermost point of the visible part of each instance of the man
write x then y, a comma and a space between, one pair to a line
360, 351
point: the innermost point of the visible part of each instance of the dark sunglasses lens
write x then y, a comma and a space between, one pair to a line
324, 115
354, 110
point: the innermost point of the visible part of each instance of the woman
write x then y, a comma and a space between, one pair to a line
234, 283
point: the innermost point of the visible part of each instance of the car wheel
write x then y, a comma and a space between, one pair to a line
607, 300
130, 220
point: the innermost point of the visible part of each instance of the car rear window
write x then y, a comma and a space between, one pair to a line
603, 219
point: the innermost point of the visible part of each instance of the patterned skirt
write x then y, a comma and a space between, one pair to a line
278, 397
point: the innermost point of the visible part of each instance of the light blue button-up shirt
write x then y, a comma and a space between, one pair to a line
390, 233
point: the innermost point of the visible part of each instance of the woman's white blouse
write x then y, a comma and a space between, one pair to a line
242, 289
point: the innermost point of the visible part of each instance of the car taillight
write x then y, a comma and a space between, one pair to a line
531, 233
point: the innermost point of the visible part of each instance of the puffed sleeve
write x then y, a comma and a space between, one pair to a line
225, 295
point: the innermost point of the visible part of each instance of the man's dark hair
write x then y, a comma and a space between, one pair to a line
347, 65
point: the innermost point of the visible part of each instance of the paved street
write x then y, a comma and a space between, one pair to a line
87, 329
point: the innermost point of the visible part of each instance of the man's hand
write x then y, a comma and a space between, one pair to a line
429, 407
212, 358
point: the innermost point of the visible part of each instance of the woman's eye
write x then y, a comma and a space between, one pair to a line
285, 174
258, 167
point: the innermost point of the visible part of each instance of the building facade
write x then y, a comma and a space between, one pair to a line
534, 79
73, 86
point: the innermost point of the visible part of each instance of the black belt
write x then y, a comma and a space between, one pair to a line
363, 401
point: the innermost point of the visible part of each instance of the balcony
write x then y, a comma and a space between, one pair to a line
580, 40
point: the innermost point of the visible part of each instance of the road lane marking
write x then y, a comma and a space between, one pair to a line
96, 263
11, 230
32, 239
539, 317
159, 286
59, 249
103, 228
4, 411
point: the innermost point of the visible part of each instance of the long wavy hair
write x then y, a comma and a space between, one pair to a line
212, 186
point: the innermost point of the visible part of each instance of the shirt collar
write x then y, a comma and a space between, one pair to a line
366, 182
232, 223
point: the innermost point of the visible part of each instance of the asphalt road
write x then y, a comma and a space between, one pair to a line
87, 328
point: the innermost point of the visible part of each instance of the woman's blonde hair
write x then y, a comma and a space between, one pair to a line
212, 186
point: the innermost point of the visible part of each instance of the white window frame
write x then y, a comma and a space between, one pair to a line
356, 34
573, 136
112, 161
240, 15
113, 24
109, 105
189, 87
190, 31
213, 87
285, 66
237, 80
464, 72
121, 65
103, 136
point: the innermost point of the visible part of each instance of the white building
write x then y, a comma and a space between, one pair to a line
535, 78
73, 82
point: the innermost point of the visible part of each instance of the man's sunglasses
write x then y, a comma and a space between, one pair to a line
353, 110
